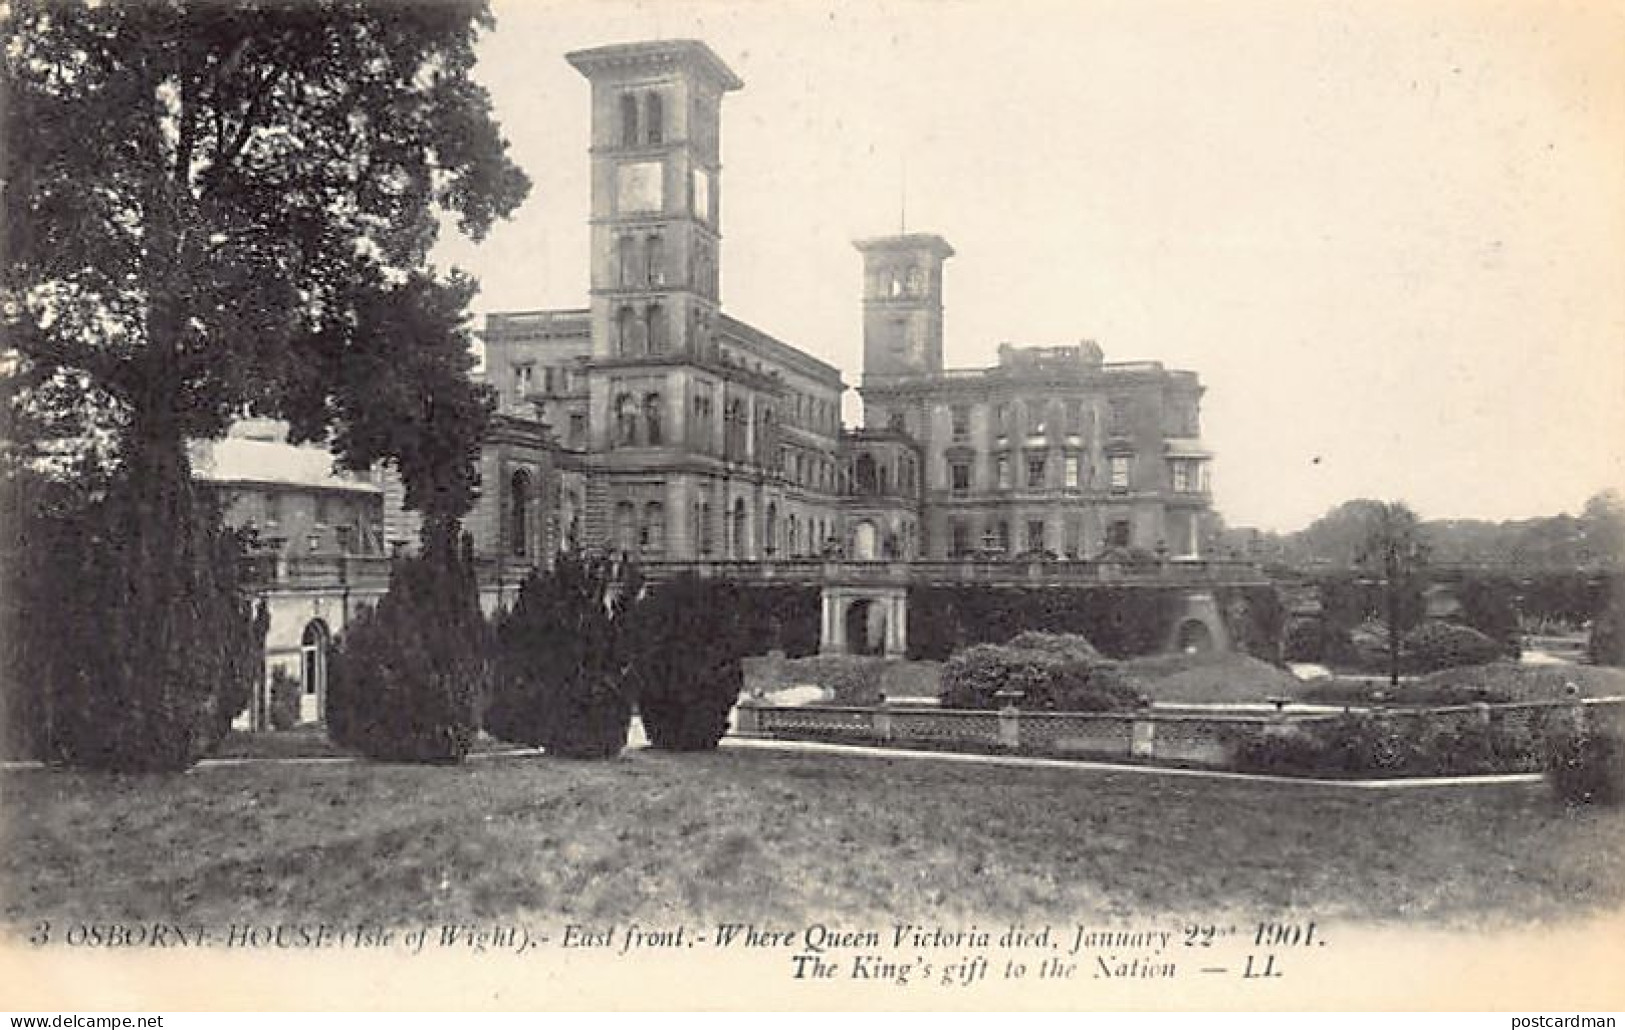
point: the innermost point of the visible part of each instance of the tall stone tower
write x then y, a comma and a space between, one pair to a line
656, 159
902, 304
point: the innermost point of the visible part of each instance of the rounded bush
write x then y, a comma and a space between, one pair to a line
1442, 645
559, 682
406, 676
683, 663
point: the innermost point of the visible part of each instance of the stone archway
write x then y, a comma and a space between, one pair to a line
864, 617
864, 620
1194, 637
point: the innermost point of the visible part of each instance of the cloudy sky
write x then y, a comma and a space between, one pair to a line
1390, 235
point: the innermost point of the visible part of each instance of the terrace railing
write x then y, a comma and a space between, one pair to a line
1200, 738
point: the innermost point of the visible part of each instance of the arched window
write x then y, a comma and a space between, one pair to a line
654, 261
866, 479
625, 319
652, 535
625, 526
654, 118
629, 120
655, 320
770, 529
519, 512
626, 420
651, 419
739, 528
625, 263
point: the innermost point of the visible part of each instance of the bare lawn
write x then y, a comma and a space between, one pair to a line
756, 835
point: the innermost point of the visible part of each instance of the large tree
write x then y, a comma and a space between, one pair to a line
1393, 552
214, 209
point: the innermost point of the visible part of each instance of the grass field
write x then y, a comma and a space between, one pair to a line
759, 835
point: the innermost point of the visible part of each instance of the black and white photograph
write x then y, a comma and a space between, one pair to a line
519, 505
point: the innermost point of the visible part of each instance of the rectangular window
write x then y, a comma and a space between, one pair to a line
578, 429
1036, 411
1035, 535
1035, 473
961, 418
1074, 417
1071, 471
1119, 471
960, 538
655, 261
524, 378
1001, 419
1182, 476
1004, 473
1119, 533
1117, 417
959, 477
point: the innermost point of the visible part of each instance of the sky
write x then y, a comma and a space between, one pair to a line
1388, 235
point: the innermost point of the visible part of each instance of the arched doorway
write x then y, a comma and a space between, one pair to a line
313, 644
864, 541
865, 627
1194, 637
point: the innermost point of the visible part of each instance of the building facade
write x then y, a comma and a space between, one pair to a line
699, 437
1053, 452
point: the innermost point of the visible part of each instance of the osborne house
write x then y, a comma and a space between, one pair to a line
651, 422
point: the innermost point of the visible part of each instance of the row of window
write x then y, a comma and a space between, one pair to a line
1186, 475
641, 529
553, 380
1075, 473
1037, 418
996, 537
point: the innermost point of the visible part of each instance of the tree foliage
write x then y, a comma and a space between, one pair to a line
123, 650
560, 682
1393, 552
218, 208
683, 655
407, 676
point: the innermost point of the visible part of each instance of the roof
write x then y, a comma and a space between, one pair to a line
655, 52
239, 460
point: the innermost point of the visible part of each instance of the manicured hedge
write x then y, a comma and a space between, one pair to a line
127, 640
406, 677
1390, 744
560, 680
1043, 673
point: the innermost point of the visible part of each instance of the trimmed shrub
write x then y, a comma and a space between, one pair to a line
285, 691
1441, 645
406, 676
1389, 744
1058, 678
559, 682
974, 677
129, 642
683, 667
1067, 646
